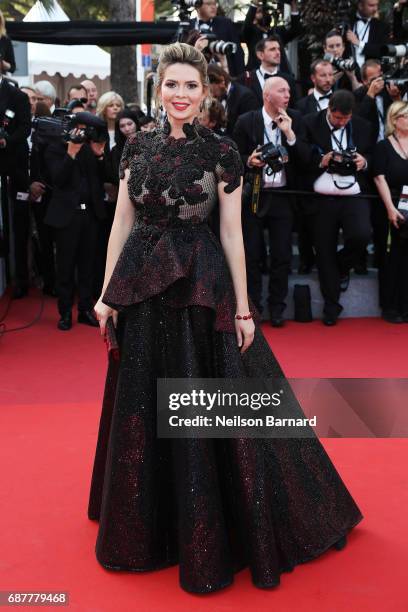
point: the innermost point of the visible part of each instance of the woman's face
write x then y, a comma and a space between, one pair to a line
182, 92
127, 126
112, 110
401, 123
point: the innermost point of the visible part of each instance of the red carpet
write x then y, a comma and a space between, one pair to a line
51, 387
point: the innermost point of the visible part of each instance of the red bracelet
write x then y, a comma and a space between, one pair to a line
244, 317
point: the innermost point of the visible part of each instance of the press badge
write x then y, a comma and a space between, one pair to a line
403, 201
22, 196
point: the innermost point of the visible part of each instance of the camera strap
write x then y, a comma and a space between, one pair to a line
256, 190
278, 141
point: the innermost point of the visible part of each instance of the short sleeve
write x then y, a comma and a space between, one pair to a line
380, 159
229, 168
130, 150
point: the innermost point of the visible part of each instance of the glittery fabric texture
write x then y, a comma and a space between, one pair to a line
213, 506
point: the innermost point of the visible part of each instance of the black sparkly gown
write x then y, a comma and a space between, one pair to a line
213, 506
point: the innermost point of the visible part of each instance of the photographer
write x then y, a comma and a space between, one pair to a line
268, 51
208, 22
235, 98
341, 144
367, 34
390, 171
257, 25
346, 71
7, 60
269, 143
77, 170
15, 127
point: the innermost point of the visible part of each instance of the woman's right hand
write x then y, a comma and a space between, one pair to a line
103, 312
395, 217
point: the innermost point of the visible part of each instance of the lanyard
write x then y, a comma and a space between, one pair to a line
278, 136
337, 141
361, 38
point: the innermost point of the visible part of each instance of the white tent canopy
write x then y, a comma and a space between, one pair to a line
89, 60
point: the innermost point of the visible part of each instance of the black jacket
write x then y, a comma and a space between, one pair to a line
14, 157
249, 133
66, 175
7, 52
240, 100
251, 34
318, 138
250, 80
225, 30
379, 34
367, 107
307, 105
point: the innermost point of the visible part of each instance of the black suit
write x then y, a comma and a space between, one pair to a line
250, 80
275, 211
225, 30
308, 105
367, 107
7, 52
350, 213
75, 181
16, 120
251, 34
379, 35
240, 100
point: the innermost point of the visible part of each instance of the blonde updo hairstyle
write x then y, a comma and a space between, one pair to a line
105, 100
395, 110
181, 53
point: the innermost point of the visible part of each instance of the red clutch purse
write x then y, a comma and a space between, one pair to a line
111, 339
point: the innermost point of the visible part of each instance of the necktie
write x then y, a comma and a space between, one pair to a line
267, 75
326, 97
274, 125
363, 19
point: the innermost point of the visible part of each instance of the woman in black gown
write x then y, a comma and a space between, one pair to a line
214, 506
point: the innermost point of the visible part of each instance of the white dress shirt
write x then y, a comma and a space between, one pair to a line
273, 135
321, 104
362, 30
260, 73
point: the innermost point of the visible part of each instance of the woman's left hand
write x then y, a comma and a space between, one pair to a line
245, 331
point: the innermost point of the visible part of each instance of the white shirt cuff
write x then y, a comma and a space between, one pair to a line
291, 142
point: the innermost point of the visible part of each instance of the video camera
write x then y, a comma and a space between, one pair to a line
275, 156
343, 163
64, 128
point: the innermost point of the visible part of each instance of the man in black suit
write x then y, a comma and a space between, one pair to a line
330, 133
279, 126
208, 21
77, 203
235, 98
367, 33
268, 51
322, 77
257, 25
15, 122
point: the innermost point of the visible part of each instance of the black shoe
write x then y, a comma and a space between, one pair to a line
65, 322
329, 320
19, 292
277, 322
88, 318
393, 317
344, 282
340, 544
48, 290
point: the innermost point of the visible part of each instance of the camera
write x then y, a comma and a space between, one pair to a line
275, 156
394, 73
340, 63
342, 28
8, 116
394, 50
342, 163
50, 129
215, 45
